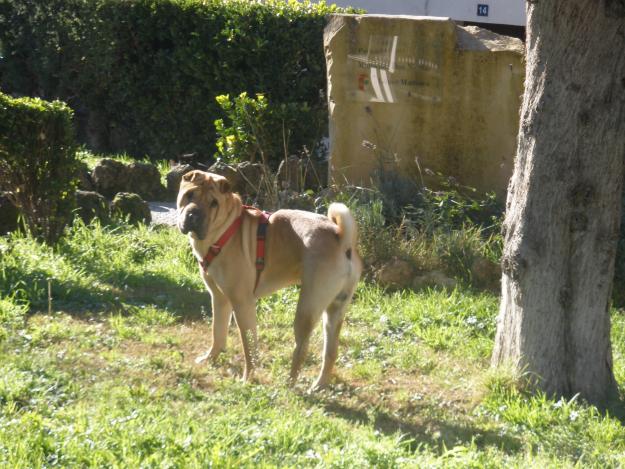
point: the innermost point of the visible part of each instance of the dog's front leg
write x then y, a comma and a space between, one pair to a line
245, 315
222, 312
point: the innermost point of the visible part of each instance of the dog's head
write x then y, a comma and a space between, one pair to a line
202, 200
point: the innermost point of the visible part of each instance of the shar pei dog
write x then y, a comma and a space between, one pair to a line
245, 254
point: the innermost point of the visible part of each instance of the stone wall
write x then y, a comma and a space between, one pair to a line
421, 96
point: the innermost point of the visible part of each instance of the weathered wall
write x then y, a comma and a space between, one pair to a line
420, 92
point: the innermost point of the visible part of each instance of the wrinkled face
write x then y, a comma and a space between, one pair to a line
201, 200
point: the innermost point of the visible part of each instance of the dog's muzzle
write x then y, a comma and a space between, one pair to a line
189, 220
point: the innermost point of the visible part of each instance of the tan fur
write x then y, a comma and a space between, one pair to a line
304, 248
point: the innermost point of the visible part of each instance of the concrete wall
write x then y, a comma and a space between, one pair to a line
421, 95
476, 11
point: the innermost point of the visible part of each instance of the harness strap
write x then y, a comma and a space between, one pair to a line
261, 234
216, 248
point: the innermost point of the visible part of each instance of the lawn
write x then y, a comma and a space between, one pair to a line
105, 376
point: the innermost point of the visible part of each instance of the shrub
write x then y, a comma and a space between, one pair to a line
439, 230
12, 313
259, 130
143, 74
38, 161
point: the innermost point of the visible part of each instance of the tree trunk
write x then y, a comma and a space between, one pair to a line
564, 200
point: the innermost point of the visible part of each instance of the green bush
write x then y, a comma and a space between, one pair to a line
12, 315
261, 131
143, 74
38, 162
445, 230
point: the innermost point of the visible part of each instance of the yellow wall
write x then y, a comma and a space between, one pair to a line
421, 95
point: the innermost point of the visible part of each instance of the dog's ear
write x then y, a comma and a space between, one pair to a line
193, 176
224, 185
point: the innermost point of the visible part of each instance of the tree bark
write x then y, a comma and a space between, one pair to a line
564, 200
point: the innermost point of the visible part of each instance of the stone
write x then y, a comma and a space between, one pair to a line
324, 198
132, 207
254, 177
230, 173
90, 205
83, 174
296, 200
486, 274
8, 215
254, 182
299, 174
109, 177
396, 274
433, 279
290, 174
144, 179
173, 178
398, 84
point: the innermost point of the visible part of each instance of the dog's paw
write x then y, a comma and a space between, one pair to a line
202, 358
318, 385
211, 357
248, 376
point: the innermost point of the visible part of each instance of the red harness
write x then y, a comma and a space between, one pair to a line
261, 234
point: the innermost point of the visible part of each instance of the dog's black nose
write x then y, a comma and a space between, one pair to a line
192, 217
190, 221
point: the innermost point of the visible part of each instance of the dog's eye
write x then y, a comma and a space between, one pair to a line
214, 203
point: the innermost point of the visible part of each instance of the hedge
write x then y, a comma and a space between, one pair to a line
38, 162
143, 75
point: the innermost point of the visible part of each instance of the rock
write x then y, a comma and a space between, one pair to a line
290, 174
409, 150
8, 215
395, 274
131, 206
434, 279
324, 198
296, 200
230, 173
486, 274
110, 177
145, 180
174, 176
299, 174
247, 179
91, 205
83, 174
192, 159
253, 177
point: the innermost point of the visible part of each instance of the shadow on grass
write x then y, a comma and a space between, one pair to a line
436, 433
106, 296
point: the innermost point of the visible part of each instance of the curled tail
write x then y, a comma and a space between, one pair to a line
348, 231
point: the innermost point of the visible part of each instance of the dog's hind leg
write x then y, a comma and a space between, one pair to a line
305, 320
313, 299
332, 321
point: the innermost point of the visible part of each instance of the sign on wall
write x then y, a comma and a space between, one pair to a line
395, 68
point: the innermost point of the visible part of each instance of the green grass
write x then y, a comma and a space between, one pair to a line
107, 377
